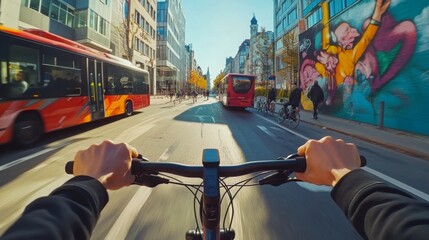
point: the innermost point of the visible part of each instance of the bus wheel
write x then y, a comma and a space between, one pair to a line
28, 129
128, 109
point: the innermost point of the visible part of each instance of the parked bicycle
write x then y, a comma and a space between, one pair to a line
291, 114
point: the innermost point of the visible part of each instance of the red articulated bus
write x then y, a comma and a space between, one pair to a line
49, 83
237, 90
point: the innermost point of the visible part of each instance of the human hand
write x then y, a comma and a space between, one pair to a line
328, 160
108, 162
381, 7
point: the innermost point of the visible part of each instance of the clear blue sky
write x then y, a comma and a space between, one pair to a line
216, 28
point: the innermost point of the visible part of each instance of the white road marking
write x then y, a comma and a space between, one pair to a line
380, 175
268, 132
24, 159
399, 184
164, 156
123, 223
284, 128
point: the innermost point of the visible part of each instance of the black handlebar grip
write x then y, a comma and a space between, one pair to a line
69, 167
362, 161
301, 164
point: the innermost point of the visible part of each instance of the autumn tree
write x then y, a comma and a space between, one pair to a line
196, 80
290, 58
217, 80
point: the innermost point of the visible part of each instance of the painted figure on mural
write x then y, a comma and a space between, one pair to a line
337, 62
347, 60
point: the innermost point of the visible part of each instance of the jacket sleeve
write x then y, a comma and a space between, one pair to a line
69, 212
378, 210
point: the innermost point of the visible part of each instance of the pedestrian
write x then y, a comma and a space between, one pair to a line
316, 96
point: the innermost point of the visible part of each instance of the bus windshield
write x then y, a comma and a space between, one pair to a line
241, 84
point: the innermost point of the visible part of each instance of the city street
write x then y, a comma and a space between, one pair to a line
178, 133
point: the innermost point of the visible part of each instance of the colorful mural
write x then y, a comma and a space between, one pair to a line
376, 51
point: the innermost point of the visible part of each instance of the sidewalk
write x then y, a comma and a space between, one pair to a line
404, 142
408, 143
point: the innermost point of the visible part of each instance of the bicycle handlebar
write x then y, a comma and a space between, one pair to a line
292, 163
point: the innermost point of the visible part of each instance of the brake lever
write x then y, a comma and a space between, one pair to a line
276, 179
148, 179
280, 177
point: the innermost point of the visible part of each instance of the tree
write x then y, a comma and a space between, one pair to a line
127, 30
262, 62
217, 80
196, 80
290, 58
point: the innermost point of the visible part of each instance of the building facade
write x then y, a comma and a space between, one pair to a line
287, 14
143, 14
170, 49
261, 52
86, 22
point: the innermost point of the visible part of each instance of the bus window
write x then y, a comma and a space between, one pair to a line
140, 83
241, 84
127, 82
61, 74
23, 71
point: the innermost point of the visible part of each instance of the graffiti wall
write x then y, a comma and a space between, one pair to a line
368, 55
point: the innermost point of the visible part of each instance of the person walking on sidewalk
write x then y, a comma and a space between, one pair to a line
316, 96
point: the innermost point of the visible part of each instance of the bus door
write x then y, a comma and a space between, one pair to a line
95, 72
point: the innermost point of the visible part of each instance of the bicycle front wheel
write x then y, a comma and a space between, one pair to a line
294, 119
281, 115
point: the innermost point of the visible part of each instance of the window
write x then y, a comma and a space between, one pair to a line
61, 74
314, 18
336, 6
118, 81
81, 19
306, 3
292, 16
140, 83
62, 13
23, 71
241, 84
350, 2
97, 23
161, 33
35, 4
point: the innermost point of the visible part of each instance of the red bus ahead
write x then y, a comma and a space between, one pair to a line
237, 90
48, 83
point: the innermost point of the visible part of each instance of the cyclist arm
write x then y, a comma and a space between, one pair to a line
376, 209
69, 212
380, 211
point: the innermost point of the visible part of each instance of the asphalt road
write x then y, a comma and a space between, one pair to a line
179, 133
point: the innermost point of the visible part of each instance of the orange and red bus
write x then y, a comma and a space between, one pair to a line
237, 90
49, 83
